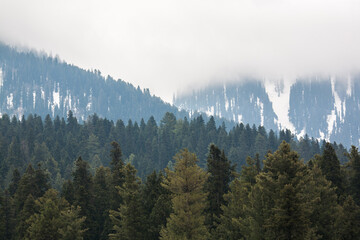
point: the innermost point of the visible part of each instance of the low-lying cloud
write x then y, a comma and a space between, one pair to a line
166, 45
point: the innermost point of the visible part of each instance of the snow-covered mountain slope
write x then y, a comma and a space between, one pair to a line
323, 107
38, 84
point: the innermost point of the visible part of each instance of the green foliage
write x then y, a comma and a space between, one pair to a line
220, 175
54, 219
157, 205
278, 203
186, 184
84, 196
330, 166
129, 219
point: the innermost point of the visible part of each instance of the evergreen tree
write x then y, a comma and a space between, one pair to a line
51, 219
349, 220
84, 195
330, 167
129, 219
322, 205
26, 212
117, 174
278, 207
14, 182
7, 216
355, 174
101, 202
233, 223
217, 184
157, 205
186, 184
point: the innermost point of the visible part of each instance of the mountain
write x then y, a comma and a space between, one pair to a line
36, 83
322, 107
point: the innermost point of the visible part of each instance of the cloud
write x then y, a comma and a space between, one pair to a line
166, 45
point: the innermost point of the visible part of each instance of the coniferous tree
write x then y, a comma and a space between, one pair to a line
84, 195
101, 202
349, 220
14, 182
117, 174
355, 174
7, 216
330, 167
233, 223
49, 221
322, 204
129, 219
277, 200
186, 184
157, 205
220, 175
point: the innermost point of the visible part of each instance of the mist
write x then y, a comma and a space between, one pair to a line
169, 46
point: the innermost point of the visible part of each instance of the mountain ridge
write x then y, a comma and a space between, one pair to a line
322, 107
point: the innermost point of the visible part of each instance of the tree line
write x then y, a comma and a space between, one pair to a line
56, 143
281, 198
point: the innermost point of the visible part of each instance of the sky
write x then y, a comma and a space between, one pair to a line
170, 46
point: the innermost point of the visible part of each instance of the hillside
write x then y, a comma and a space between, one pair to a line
325, 108
35, 83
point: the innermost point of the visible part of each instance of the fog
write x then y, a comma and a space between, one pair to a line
168, 45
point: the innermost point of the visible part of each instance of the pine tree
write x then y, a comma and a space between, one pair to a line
349, 220
101, 202
220, 175
355, 174
278, 207
186, 184
7, 216
233, 223
26, 212
54, 219
84, 195
157, 205
129, 219
117, 174
321, 204
330, 167
14, 182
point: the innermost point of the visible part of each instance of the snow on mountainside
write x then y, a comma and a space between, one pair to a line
322, 107
38, 84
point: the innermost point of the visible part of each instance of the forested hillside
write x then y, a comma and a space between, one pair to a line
281, 198
56, 144
31, 82
324, 106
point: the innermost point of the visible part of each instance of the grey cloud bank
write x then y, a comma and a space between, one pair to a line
168, 45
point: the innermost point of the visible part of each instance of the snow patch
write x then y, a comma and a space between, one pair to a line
331, 121
9, 101
280, 99
226, 100
42, 93
210, 111
34, 99
88, 106
301, 134
322, 135
56, 99
239, 118
1, 79
261, 105
337, 104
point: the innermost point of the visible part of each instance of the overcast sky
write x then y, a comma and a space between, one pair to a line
166, 45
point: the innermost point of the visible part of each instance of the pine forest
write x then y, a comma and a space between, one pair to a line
179, 179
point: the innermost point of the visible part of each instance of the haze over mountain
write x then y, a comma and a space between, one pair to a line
170, 45
38, 84
326, 107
